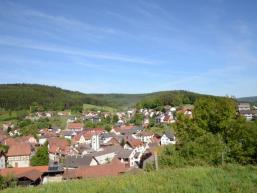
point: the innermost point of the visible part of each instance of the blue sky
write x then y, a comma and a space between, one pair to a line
137, 46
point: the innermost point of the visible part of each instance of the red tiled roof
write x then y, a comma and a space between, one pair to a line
95, 130
134, 143
146, 133
75, 126
87, 134
124, 128
57, 145
19, 149
32, 173
24, 139
167, 118
113, 169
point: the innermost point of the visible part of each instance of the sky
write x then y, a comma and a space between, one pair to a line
131, 46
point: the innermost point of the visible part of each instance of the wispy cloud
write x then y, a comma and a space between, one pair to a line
26, 43
18, 10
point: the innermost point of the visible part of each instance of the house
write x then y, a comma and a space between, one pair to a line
168, 138
127, 156
145, 136
106, 137
63, 113
82, 138
126, 130
168, 118
146, 122
244, 107
188, 113
44, 114
75, 126
247, 114
27, 139
26, 176
24, 139
95, 119
68, 134
106, 155
19, 154
159, 119
114, 168
57, 148
71, 119
77, 161
45, 135
85, 136
54, 174
137, 145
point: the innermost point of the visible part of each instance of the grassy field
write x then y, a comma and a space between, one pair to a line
89, 107
5, 116
231, 178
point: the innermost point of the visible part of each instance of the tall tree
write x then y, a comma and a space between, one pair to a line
41, 157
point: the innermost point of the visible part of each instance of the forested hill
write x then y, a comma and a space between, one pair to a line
149, 100
173, 98
22, 96
252, 100
122, 101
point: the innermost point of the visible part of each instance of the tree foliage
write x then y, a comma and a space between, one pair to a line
39, 97
41, 157
173, 98
214, 136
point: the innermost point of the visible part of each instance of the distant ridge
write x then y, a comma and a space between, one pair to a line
22, 96
252, 99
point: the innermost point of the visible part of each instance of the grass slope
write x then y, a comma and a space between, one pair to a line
89, 107
231, 178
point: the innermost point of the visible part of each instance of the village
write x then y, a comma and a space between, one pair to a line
78, 151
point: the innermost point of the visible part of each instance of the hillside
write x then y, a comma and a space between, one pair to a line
149, 100
173, 98
22, 96
120, 100
190, 180
252, 99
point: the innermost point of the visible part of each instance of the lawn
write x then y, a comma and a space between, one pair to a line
232, 178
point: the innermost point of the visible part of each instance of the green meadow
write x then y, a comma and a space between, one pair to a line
231, 178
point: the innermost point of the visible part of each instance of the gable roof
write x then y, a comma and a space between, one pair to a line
169, 134
75, 126
107, 150
112, 169
29, 172
134, 143
78, 161
19, 149
124, 153
58, 145
146, 133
